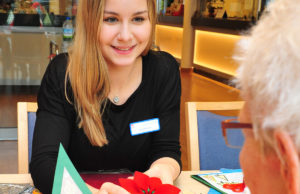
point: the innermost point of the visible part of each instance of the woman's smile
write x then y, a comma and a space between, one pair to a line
123, 50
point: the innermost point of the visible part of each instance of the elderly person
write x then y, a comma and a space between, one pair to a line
269, 78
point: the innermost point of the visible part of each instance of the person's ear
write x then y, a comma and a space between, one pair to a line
290, 167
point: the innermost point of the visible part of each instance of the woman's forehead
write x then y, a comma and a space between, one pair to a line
125, 5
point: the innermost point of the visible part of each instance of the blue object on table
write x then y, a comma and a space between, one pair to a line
212, 191
225, 170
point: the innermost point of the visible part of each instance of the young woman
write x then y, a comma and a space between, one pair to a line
112, 102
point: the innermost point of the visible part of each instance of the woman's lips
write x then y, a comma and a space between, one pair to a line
123, 50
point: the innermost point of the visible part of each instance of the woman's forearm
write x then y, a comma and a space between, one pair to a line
167, 169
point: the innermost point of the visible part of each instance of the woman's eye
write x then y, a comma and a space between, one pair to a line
110, 20
138, 19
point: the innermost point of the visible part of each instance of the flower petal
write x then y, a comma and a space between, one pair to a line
129, 185
154, 183
141, 180
167, 188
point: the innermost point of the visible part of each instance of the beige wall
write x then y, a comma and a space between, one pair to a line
188, 34
24, 57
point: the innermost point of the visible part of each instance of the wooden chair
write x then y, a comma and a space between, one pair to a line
206, 147
26, 121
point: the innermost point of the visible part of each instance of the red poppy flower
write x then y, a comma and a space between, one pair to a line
143, 184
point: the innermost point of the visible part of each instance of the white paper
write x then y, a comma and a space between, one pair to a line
68, 184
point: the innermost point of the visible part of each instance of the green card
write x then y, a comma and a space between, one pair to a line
206, 183
67, 179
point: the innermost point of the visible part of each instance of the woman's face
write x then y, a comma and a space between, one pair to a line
261, 172
125, 31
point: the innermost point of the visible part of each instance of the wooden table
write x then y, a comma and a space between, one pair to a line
184, 181
189, 185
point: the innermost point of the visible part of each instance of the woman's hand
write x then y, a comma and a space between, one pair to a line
108, 188
167, 169
158, 171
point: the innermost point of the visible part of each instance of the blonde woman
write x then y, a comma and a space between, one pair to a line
112, 102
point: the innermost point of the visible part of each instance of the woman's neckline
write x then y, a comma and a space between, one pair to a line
138, 89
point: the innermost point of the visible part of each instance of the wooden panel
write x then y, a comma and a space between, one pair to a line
233, 105
191, 109
22, 138
192, 139
16, 178
23, 160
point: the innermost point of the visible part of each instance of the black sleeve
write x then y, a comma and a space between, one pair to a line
52, 126
166, 141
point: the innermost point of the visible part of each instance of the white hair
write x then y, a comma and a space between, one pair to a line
269, 72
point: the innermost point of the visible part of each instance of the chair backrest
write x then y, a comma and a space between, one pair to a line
26, 122
206, 147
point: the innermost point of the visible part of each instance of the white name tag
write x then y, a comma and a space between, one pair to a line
146, 126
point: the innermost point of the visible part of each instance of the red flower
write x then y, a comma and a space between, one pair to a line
143, 184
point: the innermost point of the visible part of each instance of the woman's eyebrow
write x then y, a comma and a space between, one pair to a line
115, 13
110, 12
140, 12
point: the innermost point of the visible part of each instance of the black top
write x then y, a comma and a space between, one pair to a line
158, 96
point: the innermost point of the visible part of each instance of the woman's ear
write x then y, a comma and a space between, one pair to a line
290, 167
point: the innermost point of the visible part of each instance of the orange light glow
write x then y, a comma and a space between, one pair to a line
169, 39
214, 50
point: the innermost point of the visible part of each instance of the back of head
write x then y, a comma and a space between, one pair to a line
269, 72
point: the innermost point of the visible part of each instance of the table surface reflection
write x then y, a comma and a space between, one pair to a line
184, 181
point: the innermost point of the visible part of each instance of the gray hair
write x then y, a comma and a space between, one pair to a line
269, 72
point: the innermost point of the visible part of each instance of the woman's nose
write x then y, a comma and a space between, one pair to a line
125, 33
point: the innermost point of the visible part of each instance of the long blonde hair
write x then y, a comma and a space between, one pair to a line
87, 70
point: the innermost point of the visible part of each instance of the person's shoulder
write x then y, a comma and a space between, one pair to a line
62, 57
60, 61
162, 61
58, 65
162, 57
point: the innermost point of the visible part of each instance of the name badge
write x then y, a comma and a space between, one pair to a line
146, 126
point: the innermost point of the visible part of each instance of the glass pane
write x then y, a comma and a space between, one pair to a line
247, 10
30, 30
170, 7
36, 12
235, 137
